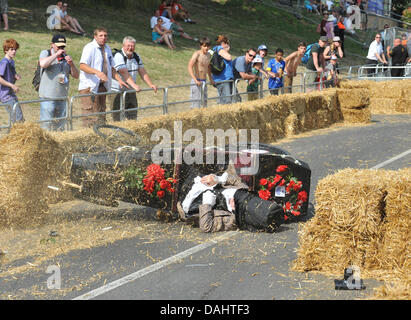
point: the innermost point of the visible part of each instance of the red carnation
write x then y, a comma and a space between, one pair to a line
282, 168
295, 213
160, 194
263, 182
264, 194
277, 178
302, 196
270, 185
164, 184
287, 205
282, 182
297, 186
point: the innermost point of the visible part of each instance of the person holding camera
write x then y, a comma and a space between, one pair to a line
57, 67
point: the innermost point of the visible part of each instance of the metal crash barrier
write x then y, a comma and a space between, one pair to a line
170, 99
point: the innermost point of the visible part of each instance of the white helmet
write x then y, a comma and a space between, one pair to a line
257, 59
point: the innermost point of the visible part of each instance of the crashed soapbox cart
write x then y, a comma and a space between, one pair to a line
127, 173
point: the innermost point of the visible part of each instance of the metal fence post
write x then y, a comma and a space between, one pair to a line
203, 96
122, 106
304, 88
261, 93
321, 80
165, 101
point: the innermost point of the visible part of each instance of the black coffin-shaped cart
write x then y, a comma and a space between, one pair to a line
129, 174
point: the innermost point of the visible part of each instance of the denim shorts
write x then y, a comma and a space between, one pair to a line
50, 110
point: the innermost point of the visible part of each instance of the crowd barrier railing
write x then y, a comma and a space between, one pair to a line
300, 85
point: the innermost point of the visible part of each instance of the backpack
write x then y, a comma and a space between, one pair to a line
217, 64
38, 73
307, 54
135, 56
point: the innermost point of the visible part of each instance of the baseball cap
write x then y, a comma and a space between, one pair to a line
336, 38
262, 47
59, 40
323, 38
257, 59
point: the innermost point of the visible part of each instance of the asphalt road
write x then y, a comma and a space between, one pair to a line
236, 265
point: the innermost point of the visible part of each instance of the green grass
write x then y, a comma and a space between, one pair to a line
245, 26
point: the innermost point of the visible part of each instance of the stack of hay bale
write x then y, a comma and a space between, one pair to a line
386, 97
362, 219
354, 103
28, 158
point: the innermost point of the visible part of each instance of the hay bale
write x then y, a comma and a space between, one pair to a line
357, 115
403, 105
394, 290
396, 243
353, 98
28, 158
355, 84
382, 105
347, 224
363, 218
389, 89
322, 109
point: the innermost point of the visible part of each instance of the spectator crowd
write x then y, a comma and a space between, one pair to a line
101, 70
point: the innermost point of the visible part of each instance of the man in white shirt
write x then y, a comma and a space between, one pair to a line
128, 63
375, 53
96, 73
170, 25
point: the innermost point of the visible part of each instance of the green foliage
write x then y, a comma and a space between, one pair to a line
399, 5
133, 177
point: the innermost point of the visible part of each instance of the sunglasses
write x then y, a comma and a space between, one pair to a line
250, 55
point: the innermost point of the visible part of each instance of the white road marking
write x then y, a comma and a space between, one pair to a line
383, 164
157, 266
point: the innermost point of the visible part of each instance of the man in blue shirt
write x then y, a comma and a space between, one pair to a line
242, 69
275, 69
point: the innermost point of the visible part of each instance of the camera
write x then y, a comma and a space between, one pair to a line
61, 57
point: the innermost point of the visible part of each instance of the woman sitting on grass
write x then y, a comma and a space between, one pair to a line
162, 35
73, 22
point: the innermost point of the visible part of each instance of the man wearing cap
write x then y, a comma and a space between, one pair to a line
57, 67
316, 62
96, 72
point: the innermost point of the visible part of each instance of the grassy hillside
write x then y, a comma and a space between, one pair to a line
245, 26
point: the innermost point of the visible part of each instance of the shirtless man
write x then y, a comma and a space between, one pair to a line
291, 64
198, 68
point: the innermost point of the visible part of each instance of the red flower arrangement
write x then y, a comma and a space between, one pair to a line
154, 181
284, 184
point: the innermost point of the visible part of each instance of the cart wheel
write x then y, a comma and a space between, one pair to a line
116, 130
